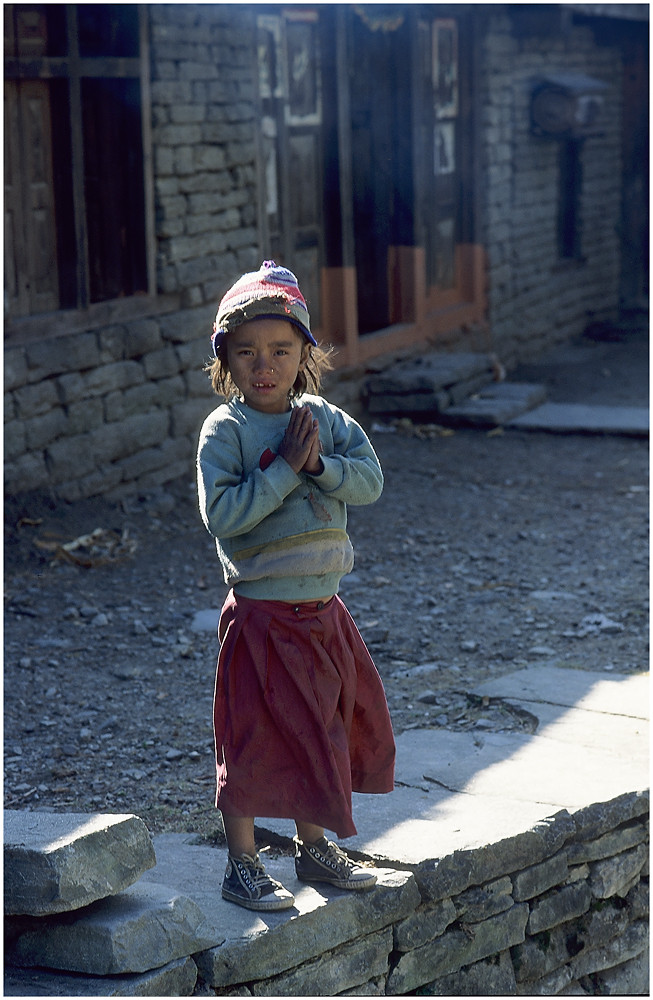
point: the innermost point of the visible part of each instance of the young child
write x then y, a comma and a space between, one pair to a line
300, 715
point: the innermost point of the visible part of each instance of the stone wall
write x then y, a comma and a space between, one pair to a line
108, 409
204, 130
536, 298
561, 909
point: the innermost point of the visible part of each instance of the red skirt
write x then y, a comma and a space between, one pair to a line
300, 714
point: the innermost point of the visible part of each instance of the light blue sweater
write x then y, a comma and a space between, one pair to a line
280, 535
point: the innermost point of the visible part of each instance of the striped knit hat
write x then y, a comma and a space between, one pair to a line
269, 292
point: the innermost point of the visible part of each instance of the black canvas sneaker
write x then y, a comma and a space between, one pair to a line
326, 862
247, 883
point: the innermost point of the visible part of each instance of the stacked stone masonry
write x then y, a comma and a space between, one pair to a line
118, 408
561, 909
536, 297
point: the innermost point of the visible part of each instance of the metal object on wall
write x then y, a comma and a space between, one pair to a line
567, 105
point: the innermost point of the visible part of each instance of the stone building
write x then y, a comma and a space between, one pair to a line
470, 175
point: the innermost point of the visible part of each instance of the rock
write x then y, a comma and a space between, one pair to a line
55, 863
143, 928
206, 620
558, 906
630, 944
538, 878
628, 979
592, 624
455, 949
429, 373
498, 404
324, 976
424, 925
488, 977
611, 876
177, 979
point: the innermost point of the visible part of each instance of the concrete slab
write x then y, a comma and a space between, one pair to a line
54, 863
578, 418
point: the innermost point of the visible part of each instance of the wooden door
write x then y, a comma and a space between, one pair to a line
381, 96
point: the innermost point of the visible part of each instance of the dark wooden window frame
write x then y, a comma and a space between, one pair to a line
70, 70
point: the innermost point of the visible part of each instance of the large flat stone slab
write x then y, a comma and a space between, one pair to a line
463, 791
143, 928
497, 404
579, 418
259, 945
624, 695
177, 979
55, 863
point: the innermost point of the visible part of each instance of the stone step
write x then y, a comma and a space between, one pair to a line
143, 928
177, 979
579, 418
57, 863
429, 384
497, 404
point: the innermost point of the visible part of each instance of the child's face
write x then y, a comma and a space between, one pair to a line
264, 357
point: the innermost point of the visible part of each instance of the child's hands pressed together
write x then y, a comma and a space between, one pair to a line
300, 446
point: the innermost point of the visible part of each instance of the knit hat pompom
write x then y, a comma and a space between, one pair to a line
269, 292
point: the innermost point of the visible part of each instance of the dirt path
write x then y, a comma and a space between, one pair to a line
486, 553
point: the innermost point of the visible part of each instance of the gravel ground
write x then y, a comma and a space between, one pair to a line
486, 553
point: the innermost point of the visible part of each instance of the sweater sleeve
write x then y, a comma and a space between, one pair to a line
352, 472
230, 502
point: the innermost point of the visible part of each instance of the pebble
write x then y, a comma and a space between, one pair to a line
599, 623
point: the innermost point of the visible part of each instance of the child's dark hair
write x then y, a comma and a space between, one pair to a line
309, 379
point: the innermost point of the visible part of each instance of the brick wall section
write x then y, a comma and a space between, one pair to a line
536, 299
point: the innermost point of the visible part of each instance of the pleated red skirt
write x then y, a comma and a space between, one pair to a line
300, 714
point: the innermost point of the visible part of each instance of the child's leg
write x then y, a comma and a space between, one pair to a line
245, 881
320, 860
239, 831
308, 832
